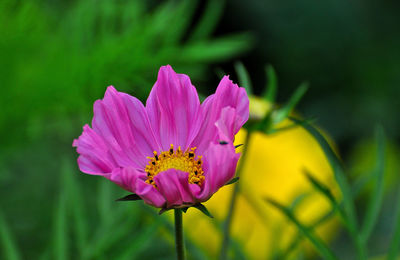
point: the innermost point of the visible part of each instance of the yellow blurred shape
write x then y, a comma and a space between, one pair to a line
273, 169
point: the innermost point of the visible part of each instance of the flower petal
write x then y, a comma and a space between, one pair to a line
226, 95
122, 122
219, 167
126, 177
228, 124
174, 186
173, 108
94, 156
149, 194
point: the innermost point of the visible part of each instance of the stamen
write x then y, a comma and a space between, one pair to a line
171, 159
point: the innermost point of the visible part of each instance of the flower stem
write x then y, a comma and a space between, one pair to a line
228, 221
179, 243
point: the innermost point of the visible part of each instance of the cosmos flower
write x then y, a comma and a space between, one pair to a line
173, 152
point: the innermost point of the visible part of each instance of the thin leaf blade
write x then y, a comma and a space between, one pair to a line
375, 203
272, 84
319, 245
10, 249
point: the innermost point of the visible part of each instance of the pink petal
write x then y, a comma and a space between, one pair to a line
173, 108
94, 156
228, 124
226, 95
122, 122
174, 186
219, 167
149, 194
126, 177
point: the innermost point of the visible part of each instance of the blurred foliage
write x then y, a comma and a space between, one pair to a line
57, 59
347, 50
361, 160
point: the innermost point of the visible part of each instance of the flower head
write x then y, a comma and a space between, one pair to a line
173, 152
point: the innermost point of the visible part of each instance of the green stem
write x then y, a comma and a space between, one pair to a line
228, 221
179, 243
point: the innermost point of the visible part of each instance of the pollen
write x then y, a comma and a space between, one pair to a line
176, 159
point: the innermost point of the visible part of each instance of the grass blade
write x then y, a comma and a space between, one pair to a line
325, 191
284, 254
104, 201
140, 242
244, 78
348, 201
272, 84
285, 111
209, 20
394, 248
76, 204
375, 203
60, 239
319, 245
10, 249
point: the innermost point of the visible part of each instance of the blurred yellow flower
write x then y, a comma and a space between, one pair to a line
273, 169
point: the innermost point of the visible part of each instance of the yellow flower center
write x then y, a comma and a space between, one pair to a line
176, 159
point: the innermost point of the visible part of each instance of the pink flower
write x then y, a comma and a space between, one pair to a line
174, 152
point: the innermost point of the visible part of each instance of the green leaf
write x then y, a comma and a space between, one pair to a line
319, 245
141, 241
298, 238
326, 192
285, 111
298, 200
232, 181
209, 20
203, 209
291, 126
75, 203
10, 250
375, 204
130, 197
163, 210
104, 200
244, 78
272, 84
319, 186
219, 49
394, 248
350, 217
60, 235
219, 72
264, 125
182, 15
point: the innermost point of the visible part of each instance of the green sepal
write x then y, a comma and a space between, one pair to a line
232, 181
198, 206
130, 197
285, 111
162, 210
264, 125
203, 209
